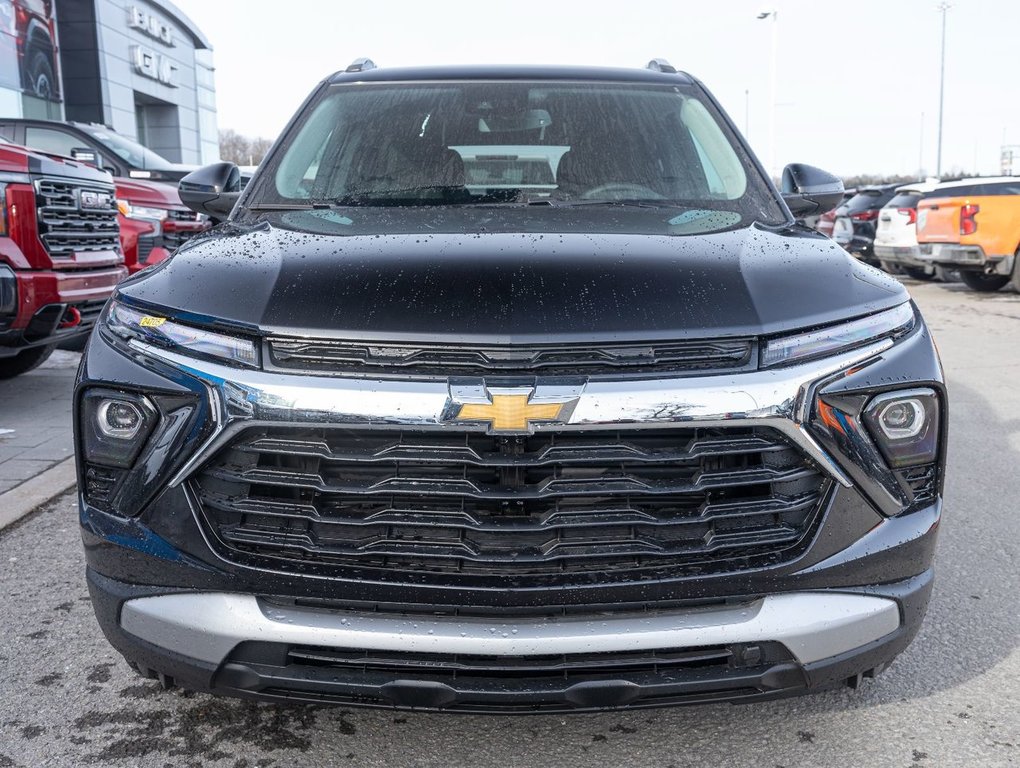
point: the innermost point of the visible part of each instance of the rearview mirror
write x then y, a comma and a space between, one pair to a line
809, 191
529, 120
212, 190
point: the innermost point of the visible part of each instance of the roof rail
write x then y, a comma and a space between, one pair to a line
361, 65
661, 65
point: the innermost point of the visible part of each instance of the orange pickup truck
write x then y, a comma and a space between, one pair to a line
973, 225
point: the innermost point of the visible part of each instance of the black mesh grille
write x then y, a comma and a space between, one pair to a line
68, 225
388, 360
923, 481
555, 683
470, 503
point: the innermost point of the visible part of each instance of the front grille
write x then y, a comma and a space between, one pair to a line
67, 227
174, 238
466, 503
145, 245
90, 312
564, 682
396, 360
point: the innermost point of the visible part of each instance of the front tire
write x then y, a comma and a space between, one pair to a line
978, 281
25, 361
41, 77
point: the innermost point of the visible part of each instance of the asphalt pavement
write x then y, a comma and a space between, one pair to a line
952, 699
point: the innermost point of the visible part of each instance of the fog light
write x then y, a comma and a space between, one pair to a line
119, 419
905, 425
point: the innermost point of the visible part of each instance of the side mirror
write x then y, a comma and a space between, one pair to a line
84, 155
809, 191
212, 190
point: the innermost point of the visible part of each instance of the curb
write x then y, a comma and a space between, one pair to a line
33, 493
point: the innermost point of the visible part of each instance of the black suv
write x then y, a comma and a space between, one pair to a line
510, 389
857, 221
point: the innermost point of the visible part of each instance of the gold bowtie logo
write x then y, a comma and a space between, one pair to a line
509, 413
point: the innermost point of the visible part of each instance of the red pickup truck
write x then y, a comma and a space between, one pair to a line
60, 253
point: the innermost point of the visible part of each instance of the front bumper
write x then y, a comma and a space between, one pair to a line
175, 606
762, 648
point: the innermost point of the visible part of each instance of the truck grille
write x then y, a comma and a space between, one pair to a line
401, 360
692, 500
67, 227
174, 238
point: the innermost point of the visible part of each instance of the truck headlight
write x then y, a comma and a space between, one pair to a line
131, 324
141, 211
838, 338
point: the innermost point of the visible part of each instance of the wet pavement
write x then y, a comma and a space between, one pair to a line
952, 699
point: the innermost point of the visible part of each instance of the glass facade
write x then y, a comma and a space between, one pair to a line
140, 67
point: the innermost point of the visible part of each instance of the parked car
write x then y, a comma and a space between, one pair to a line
153, 220
60, 257
420, 428
826, 222
895, 245
973, 225
854, 228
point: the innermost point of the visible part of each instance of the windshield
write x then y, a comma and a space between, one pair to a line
511, 143
133, 153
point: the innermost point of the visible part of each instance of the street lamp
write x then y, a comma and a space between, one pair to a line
774, 15
943, 6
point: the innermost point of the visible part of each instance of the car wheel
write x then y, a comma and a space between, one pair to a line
891, 268
978, 281
919, 273
41, 77
25, 361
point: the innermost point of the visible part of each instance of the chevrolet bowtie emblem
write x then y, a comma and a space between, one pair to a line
511, 413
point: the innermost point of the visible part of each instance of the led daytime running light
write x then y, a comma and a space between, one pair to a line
129, 323
838, 338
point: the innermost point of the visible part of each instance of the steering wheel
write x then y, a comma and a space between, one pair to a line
621, 190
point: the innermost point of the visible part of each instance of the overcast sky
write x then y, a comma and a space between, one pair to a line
855, 76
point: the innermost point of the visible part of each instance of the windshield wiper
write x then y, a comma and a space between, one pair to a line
287, 206
671, 204
448, 195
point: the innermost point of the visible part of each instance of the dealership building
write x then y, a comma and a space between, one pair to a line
140, 67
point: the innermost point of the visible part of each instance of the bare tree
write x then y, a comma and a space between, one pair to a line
242, 150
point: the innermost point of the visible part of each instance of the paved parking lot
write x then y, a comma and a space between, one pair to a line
953, 699
35, 419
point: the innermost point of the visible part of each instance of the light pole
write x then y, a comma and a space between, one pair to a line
774, 66
747, 114
943, 6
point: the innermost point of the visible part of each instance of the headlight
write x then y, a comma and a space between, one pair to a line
114, 426
130, 324
141, 211
838, 338
905, 425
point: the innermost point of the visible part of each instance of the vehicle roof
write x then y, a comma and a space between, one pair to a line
977, 180
511, 72
871, 189
918, 186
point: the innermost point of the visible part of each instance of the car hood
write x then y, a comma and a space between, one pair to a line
148, 193
508, 287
